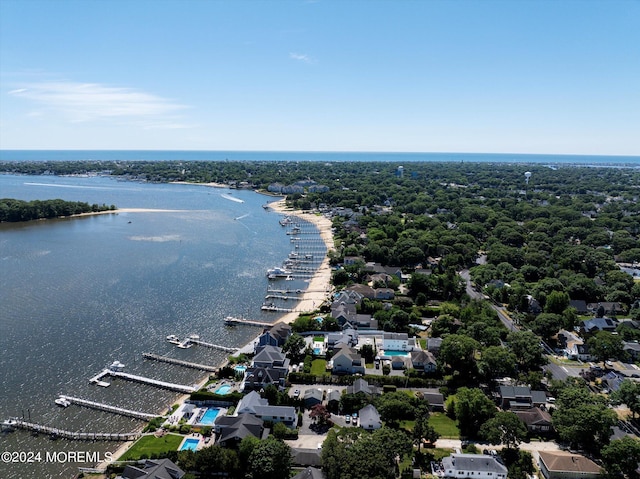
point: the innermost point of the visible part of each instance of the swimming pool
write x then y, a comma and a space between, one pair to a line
240, 368
189, 444
224, 389
317, 351
391, 352
209, 416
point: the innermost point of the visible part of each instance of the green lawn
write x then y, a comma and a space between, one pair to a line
444, 425
318, 367
148, 445
318, 339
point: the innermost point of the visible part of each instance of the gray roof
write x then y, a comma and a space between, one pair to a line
250, 402
368, 414
310, 473
334, 395
313, 393
434, 399
473, 462
276, 411
269, 354
154, 469
239, 427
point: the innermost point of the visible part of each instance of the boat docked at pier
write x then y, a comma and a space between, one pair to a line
173, 339
62, 402
278, 273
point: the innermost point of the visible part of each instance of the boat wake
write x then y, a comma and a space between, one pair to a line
231, 198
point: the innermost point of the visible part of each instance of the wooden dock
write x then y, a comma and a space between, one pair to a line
180, 362
277, 296
231, 321
181, 388
108, 408
219, 347
15, 423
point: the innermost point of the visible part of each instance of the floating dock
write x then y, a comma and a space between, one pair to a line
179, 362
108, 408
231, 321
15, 423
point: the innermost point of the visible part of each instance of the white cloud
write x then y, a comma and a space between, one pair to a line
84, 102
301, 57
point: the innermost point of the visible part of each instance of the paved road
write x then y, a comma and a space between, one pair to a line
473, 294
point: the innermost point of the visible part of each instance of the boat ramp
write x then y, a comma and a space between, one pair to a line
108, 408
15, 423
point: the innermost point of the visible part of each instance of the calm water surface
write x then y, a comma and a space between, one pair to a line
77, 294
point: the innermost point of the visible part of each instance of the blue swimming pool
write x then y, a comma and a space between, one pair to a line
240, 368
209, 416
224, 389
189, 445
317, 351
391, 352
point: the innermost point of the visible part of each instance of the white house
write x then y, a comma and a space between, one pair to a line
398, 342
473, 465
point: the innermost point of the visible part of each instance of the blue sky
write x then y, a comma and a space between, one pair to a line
516, 76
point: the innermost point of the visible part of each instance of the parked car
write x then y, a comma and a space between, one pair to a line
347, 419
296, 393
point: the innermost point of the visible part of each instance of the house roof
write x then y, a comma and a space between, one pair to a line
434, 399
359, 386
287, 412
249, 402
508, 392
599, 323
269, 354
422, 357
334, 395
306, 457
154, 469
313, 393
562, 461
369, 415
239, 427
473, 462
534, 416
396, 336
281, 330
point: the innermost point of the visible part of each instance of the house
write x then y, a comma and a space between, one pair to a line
254, 404
347, 296
259, 378
594, 325
398, 362
231, 430
333, 400
384, 293
398, 342
536, 420
566, 465
433, 345
577, 350
423, 361
310, 473
271, 357
347, 360
520, 397
369, 418
580, 306
608, 308
347, 337
312, 396
306, 457
364, 290
473, 465
361, 386
380, 278
275, 336
632, 348
435, 400
348, 260
153, 469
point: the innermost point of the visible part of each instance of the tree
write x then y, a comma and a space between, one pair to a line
497, 362
604, 345
422, 431
622, 456
547, 325
526, 347
504, 428
368, 353
458, 352
319, 414
270, 459
294, 346
211, 461
628, 393
557, 302
472, 409
583, 419
395, 406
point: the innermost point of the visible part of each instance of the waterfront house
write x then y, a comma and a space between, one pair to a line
362, 289
369, 418
347, 360
271, 357
566, 465
275, 336
153, 469
231, 430
473, 465
257, 378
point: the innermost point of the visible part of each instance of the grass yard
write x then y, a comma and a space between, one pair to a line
444, 425
318, 339
319, 367
148, 445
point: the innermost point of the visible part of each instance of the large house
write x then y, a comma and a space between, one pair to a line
347, 360
566, 465
473, 465
594, 325
153, 469
257, 378
398, 342
231, 430
577, 350
536, 420
275, 336
369, 418
271, 357
254, 404
520, 397
423, 361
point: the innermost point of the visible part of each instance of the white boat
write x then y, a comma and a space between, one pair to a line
278, 272
116, 366
173, 339
62, 402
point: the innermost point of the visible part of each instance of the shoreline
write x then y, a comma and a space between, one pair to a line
313, 296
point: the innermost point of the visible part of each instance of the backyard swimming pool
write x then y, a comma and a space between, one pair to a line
240, 368
189, 444
224, 389
209, 416
391, 352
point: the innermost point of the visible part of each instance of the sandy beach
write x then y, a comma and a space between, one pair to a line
320, 284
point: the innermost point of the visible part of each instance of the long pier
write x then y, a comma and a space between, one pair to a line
231, 321
108, 408
277, 296
181, 388
179, 362
213, 346
15, 423
267, 307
